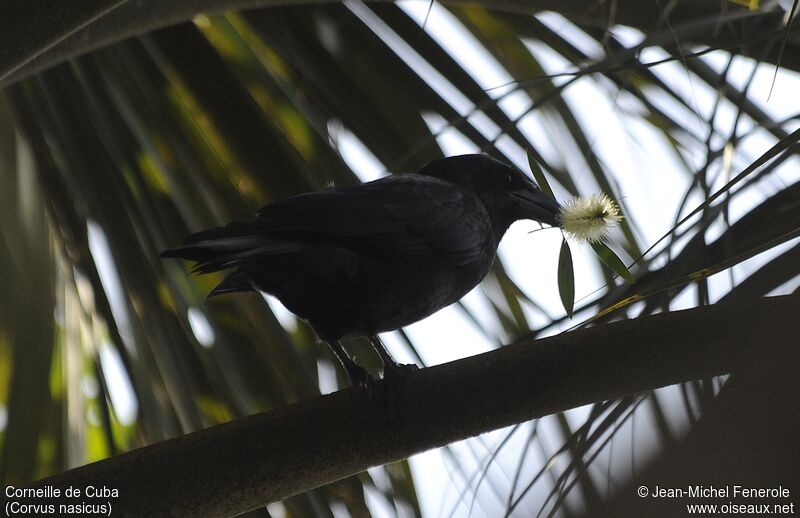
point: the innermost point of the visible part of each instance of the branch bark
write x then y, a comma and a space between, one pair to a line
234, 467
37, 34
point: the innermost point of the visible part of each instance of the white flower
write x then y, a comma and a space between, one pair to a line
589, 218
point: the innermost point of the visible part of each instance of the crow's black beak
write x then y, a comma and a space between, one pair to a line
536, 205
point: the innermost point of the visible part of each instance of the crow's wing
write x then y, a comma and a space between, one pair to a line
401, 215
404, 216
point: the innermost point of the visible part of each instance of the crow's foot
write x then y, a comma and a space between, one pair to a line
359, 377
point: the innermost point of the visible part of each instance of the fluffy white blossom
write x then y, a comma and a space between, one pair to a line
589, 218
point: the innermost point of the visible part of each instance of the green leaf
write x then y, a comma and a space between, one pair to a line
541, 179
566, 278
612, 261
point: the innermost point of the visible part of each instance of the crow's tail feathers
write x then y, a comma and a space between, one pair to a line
232, 246
235, 281
220, 249
217, 248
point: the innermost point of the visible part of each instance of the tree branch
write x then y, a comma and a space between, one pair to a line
37, 34
234, 467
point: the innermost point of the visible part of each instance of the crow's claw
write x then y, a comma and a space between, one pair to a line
359, 377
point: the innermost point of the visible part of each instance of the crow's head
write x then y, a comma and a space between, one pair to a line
507, 193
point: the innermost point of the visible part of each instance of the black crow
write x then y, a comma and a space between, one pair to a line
364, 259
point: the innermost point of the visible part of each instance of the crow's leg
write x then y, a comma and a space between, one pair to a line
355, 372
386, 358
390, 366
394, 374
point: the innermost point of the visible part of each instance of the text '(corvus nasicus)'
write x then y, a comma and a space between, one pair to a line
375, 257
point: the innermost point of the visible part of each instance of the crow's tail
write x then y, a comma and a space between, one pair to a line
220, 249
233, 246
235, 281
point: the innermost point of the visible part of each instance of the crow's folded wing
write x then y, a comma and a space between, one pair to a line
405, 216
402, 215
